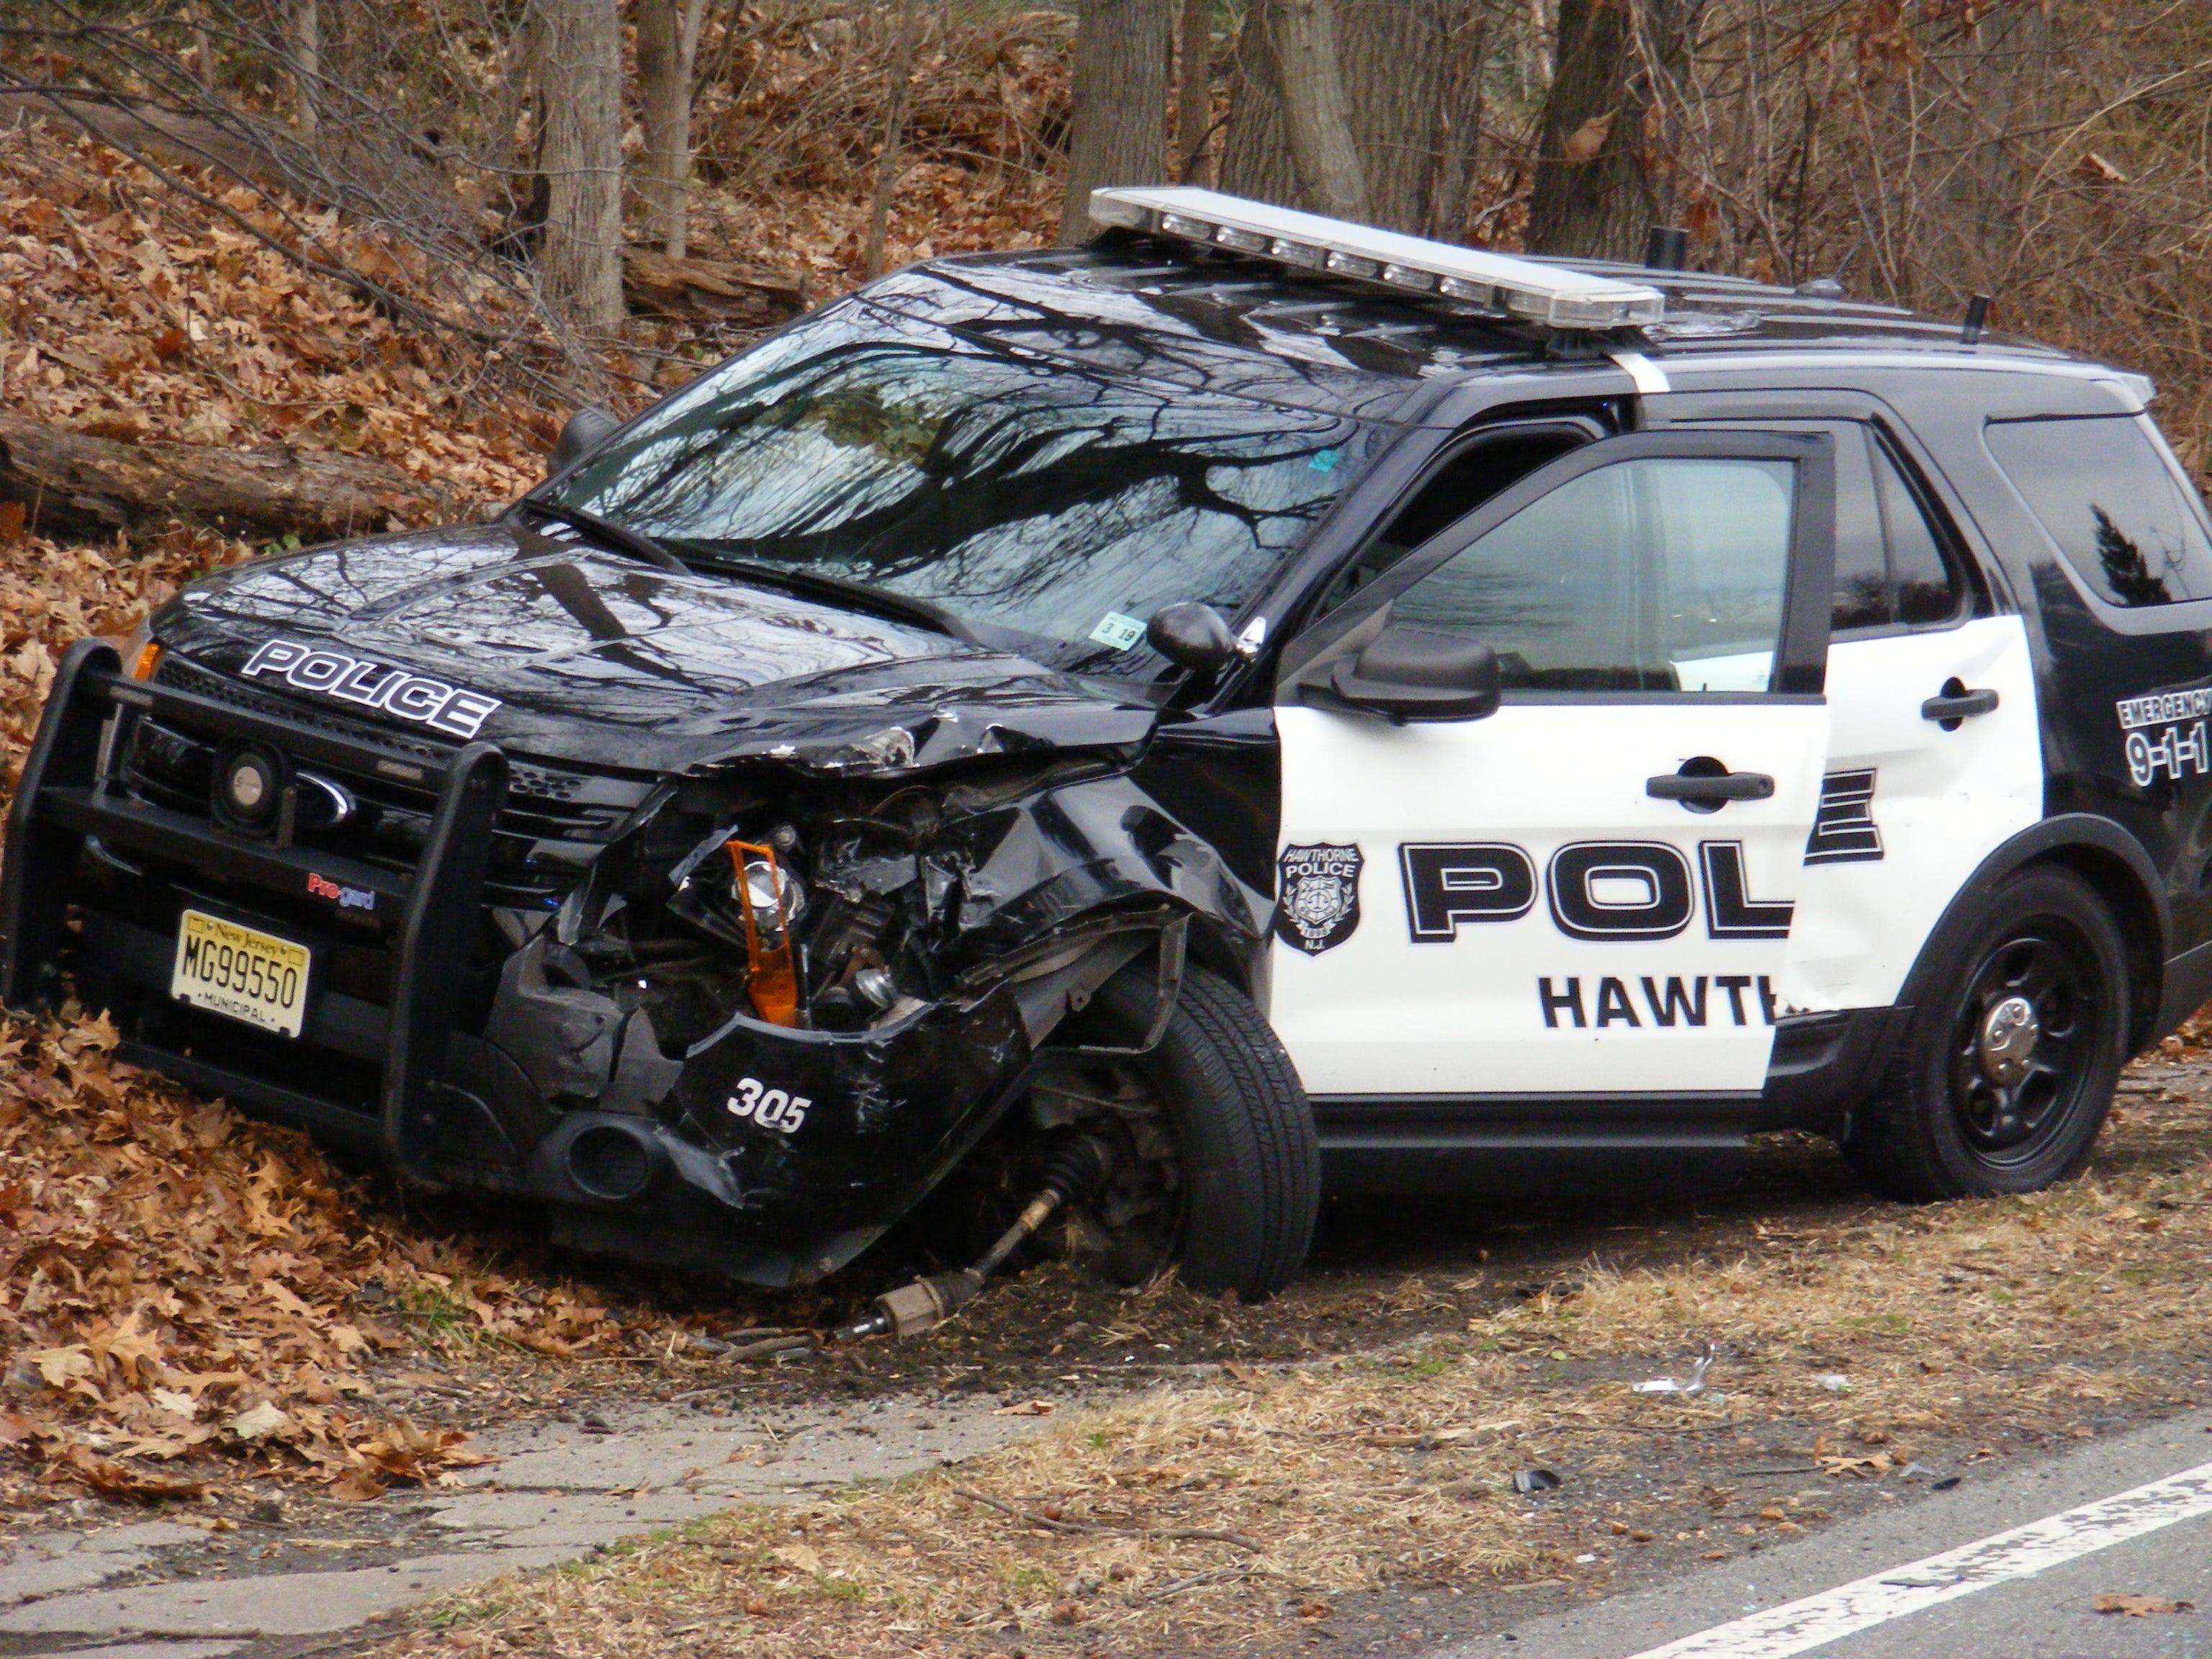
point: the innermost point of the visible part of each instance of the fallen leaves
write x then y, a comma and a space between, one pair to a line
2141, 1607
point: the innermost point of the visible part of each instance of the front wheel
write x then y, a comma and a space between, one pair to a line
1220, 1167
2009, 1066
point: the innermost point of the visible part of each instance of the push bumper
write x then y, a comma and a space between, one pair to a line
428, 917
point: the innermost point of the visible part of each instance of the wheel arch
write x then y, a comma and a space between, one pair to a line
2116, 867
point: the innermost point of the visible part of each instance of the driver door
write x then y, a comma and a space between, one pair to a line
1590, 890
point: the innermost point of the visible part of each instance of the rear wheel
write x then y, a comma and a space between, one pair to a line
2007, 1068
1217, 1166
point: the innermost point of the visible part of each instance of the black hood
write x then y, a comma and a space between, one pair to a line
594, 658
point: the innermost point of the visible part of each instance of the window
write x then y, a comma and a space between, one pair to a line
1468, 476
1655, 574
1927, 586
1863, 596
1890, 566
2106, 495
1051, 509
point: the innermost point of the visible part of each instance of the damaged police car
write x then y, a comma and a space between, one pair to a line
1253, 702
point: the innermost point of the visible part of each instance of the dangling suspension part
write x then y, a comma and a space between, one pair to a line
1075, 1171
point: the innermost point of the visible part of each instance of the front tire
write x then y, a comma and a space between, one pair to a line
2007, 1066
1246, 1184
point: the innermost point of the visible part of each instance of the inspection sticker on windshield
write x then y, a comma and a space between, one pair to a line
1117, 630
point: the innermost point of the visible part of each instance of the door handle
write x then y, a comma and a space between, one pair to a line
1710, 790
1955, 703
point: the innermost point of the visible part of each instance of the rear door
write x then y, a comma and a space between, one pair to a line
1527, 904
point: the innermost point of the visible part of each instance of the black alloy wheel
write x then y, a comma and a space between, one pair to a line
2024, 1043
2007, 1067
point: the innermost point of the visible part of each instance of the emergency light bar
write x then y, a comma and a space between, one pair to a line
1542, 293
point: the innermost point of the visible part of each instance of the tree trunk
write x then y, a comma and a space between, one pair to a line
72, 483
1458, 138
1394, 54
1194, 94
579, 72
1317, 110
1255, 157
306, 30
1597, 192
1118, 135
887, 164
667, 50
1400, 63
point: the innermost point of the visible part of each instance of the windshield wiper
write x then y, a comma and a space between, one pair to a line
637, 545
858, 595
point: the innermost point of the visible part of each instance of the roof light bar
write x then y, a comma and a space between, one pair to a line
1551, 295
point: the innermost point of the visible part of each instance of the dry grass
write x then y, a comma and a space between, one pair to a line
1951, 1323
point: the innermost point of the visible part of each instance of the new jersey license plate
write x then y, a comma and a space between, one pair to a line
249, 975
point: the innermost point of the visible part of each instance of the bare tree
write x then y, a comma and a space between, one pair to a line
579, 65
1316, 111
887, 164
306, 28
1194, 90
1598, 186
1118, 135
667, 48
1412, 74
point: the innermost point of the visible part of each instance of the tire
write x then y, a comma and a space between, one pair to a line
1250, 1160
1969, 1110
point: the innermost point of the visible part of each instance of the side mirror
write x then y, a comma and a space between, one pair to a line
1410, 674
588, 428
1191, 635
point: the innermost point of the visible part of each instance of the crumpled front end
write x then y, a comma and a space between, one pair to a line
740, 1019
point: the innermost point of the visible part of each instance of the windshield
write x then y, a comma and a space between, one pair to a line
1050, 510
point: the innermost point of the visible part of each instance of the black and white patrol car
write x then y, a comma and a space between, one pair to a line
1252, 704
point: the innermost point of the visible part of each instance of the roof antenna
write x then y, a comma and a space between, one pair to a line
1667, 247
1831, 287
1977, 317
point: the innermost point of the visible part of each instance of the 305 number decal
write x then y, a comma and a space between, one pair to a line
771, 1109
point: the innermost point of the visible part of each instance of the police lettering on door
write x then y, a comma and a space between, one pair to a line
1599, 891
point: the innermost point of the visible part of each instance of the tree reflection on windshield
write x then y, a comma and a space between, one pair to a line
1018, 494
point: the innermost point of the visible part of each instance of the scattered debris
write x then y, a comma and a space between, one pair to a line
1694, 1383
1528, 1480
1833, 1381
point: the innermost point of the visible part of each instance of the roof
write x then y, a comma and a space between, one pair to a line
1229, 323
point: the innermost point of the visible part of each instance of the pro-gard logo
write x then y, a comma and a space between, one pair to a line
1319, 902
415, 697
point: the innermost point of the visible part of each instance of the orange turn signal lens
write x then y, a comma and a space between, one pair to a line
774, 986
150, 658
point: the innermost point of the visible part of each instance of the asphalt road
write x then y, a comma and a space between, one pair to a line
2037, 1595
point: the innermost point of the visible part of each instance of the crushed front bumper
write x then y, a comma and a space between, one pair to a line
424, 1041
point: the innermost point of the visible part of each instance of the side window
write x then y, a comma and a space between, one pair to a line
1863, 590
1464, 482
1928, 588
1655, 575
1890, 565
2108, 498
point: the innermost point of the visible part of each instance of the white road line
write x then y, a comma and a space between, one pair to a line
2019, 1554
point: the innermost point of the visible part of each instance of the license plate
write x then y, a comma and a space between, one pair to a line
248, 975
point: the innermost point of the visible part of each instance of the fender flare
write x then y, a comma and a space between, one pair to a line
2114, 862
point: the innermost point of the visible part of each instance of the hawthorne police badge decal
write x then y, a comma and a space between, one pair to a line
1318, 895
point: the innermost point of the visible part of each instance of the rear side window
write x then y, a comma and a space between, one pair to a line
2104, 491
1891, 570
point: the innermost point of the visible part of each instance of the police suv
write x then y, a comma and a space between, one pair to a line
1253, 704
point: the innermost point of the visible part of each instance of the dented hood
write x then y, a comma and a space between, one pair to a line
561, 651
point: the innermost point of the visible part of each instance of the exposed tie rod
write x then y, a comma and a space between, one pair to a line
1076, 1170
